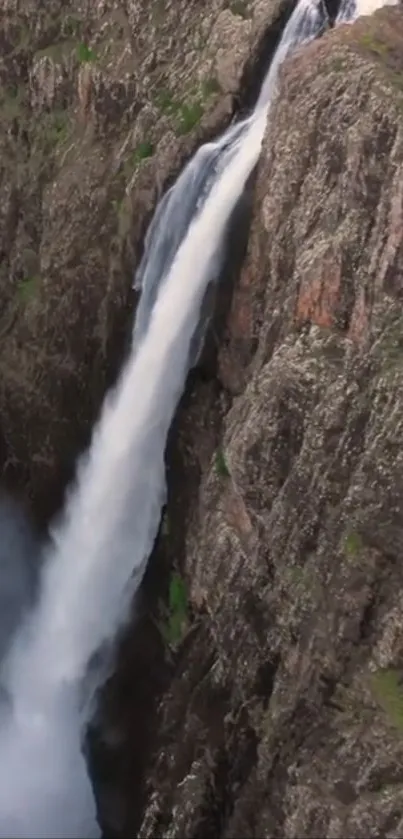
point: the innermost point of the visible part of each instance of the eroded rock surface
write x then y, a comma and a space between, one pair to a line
280, 713
101, 103
284, 716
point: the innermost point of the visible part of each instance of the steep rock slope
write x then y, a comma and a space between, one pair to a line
101, 103
284, 714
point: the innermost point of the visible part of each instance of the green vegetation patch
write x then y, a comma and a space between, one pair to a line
210, 87
58, 126
27, 289
185, 114
176, 623
221, 466
372, 43
239, 7
387, 689
189, 116
85, 54
166, 102
143, 151
383, 43
353, 544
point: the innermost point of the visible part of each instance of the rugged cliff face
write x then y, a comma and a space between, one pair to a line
101, 104
284, 711
275, 707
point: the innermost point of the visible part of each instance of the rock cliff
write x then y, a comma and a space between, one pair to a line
101, 104
277, 709
284, 711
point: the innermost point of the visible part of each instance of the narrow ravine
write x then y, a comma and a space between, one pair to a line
99, 548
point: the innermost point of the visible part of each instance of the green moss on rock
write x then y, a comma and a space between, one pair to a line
387, 689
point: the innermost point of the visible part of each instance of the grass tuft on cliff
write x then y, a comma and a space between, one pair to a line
239, 8
374, 44
27, 289
387, 689
175, 625
353, 544
189, 116
85, 54
221, 466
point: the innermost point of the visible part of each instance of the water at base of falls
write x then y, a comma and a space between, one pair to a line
100, 547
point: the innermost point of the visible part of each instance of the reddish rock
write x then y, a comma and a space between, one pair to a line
319, 291
294, 728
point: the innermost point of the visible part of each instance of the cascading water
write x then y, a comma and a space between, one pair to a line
172, 218
100, 547
350, 10
184, 201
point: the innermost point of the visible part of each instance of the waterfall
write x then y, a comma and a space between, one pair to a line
184, 201
171, 221
99, 549
350, 10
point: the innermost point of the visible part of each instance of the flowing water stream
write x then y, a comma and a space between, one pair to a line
99, 548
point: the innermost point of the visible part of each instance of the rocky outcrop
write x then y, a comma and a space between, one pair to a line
284, 711
101, 104
277, 710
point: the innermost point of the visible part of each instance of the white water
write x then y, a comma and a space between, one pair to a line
350, 10
184, 201
171, 221
101, 546
108, 532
